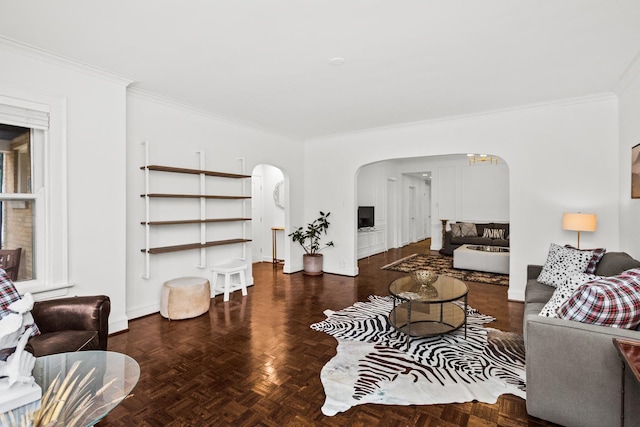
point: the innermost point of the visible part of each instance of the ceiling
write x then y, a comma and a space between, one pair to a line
266, 63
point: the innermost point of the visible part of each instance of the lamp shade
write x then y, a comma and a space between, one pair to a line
579, 221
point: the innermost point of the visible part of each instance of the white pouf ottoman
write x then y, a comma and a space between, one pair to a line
185, 297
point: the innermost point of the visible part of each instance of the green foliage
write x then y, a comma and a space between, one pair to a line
309, 238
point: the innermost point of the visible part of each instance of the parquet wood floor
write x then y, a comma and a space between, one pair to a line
254, 361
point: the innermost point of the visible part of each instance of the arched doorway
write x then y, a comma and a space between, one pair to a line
412, 195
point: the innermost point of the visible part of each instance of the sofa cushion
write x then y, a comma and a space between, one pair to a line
563, 263
472, 241
613, 263
533, 308
563, 292
537, 292
468, 229
608, 301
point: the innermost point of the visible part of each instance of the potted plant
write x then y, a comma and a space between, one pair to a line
309, 239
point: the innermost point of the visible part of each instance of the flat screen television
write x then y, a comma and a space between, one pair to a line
366, 216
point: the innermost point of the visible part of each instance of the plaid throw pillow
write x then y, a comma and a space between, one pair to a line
9, 294
598, 253
608, 301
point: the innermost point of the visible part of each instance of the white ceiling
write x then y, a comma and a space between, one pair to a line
266, 62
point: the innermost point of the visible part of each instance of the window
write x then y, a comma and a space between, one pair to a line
18, 203
33, 194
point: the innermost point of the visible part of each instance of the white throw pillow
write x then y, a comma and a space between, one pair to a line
563, 263
564, 292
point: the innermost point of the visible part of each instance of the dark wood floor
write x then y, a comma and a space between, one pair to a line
254, 361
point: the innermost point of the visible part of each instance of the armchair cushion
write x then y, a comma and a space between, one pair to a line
64, 342
71, 324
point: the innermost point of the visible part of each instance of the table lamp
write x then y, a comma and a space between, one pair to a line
579, 222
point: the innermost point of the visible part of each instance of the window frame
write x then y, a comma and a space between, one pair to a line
48, 192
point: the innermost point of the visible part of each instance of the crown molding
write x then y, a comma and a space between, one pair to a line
189, 108
628, 76
605, 96
61, 61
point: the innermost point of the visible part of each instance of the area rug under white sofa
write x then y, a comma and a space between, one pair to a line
373, 365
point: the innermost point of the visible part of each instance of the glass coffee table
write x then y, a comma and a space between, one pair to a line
113, 376
420, 310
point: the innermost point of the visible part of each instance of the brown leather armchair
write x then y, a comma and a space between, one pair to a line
70, 324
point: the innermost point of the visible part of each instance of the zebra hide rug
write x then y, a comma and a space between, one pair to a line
373, 365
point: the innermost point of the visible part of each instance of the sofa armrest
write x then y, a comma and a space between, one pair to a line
533, 271
85, 313
574, 371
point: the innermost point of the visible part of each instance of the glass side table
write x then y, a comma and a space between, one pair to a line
117, 374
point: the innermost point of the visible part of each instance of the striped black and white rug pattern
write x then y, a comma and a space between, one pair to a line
373, 365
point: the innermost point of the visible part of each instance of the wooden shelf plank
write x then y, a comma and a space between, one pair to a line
194, 196
176, 248
194, 171
195, 221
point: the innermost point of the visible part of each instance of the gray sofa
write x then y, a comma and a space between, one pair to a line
573, 369
451, 243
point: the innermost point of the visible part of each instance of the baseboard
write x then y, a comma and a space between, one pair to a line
143, 311
515, 295
118, 324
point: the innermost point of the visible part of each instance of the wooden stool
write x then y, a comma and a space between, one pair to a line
229, 269
185, 297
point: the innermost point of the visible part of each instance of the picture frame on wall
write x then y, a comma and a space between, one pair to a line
635, 172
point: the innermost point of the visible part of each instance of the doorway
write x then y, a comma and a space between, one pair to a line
267, 213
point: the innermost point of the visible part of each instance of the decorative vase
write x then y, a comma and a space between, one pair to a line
312, 264
424, 282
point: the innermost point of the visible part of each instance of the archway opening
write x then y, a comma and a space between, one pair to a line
412, 197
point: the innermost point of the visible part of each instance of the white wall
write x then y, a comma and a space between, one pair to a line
629, 136
175, 133
551, 151
94, 130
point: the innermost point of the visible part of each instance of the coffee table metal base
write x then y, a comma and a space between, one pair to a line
417, 319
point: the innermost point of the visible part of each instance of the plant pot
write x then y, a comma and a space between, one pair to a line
312, 264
